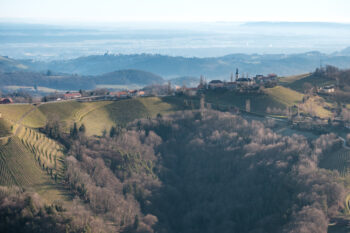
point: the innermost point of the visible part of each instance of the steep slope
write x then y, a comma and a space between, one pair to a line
29, 159
19, 167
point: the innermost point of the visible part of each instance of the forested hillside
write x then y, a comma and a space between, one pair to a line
162, 168
229, 174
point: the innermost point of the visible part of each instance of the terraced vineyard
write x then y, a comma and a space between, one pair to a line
17, 166
47, 152
339, 161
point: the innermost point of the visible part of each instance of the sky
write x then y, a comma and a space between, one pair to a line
175, 10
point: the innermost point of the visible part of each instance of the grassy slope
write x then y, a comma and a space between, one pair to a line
291, 79
124, 111
297, 82
5, 128
258, 102
14, 112
64, 111
34, 119
286, 96
313, 80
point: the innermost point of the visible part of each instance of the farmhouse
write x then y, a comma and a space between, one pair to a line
73, 95
326, 89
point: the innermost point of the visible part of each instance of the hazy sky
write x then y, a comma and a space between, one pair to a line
176, 10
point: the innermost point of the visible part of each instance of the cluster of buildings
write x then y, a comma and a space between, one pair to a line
71, 95
242, 82
126, 94
110, 95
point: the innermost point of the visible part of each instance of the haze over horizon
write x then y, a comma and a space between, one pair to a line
180, 11
49, 30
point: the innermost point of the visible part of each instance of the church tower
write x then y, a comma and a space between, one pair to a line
237, 74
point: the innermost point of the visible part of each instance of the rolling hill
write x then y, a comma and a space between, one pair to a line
297, 82
74, 82
9, 65
125, 77
211, 67
33, 161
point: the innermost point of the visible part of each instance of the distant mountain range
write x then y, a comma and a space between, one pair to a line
145, 69
214, 67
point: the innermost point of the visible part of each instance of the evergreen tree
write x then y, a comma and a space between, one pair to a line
82, 128
113, 132
74, 131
